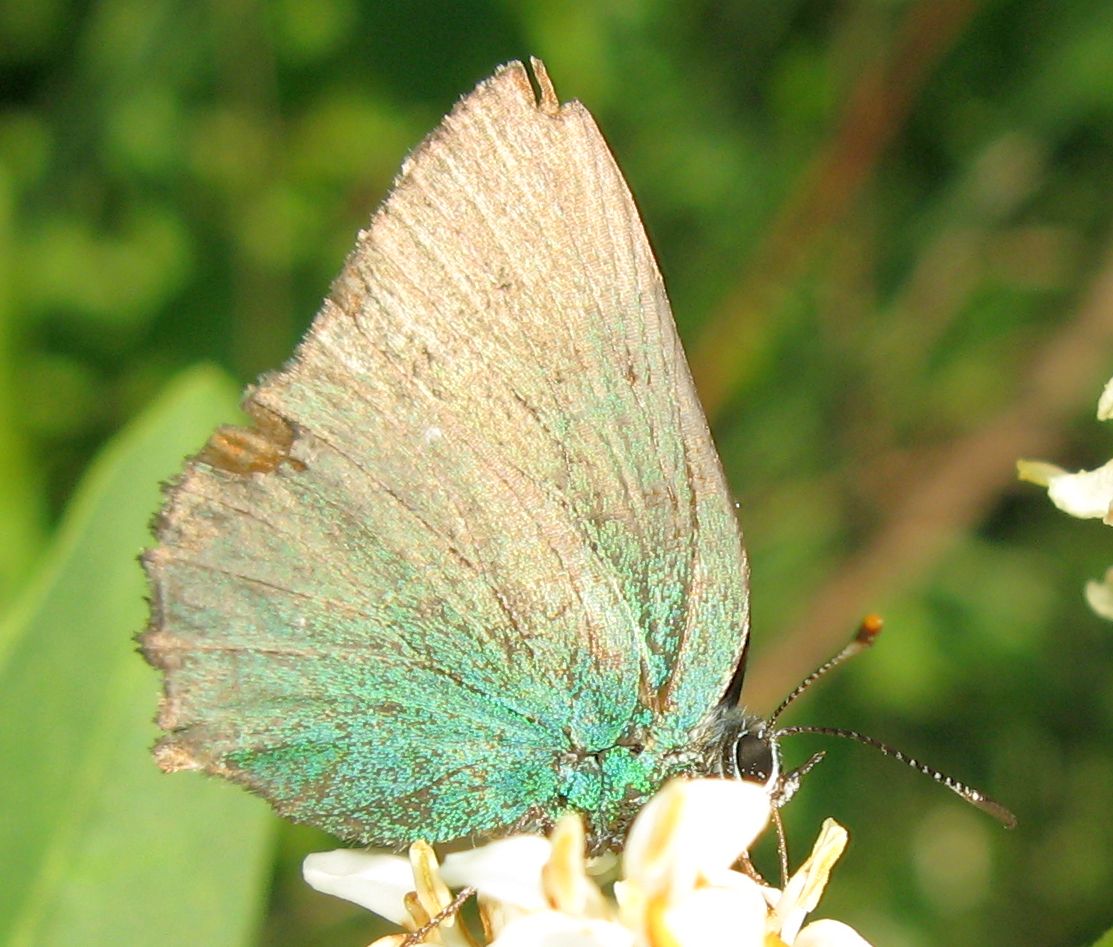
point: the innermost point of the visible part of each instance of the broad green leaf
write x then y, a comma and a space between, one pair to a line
99, 846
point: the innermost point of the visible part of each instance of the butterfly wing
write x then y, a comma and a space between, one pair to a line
478, 527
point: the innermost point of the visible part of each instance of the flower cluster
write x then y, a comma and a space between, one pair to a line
1087, 494
678, 886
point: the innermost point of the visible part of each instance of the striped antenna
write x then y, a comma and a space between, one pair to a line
864, 637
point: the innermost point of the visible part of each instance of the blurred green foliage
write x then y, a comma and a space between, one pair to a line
886, 229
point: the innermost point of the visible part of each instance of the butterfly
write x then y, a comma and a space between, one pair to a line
474, 563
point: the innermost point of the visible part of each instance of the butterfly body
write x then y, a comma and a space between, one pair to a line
475, 562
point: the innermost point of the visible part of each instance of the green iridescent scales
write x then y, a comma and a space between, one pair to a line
476, 564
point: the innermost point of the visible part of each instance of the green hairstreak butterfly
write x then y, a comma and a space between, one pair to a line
474, 563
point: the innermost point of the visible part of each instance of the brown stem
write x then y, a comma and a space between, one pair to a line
945, 497
875, 111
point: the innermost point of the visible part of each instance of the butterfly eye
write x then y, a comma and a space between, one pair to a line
755, 759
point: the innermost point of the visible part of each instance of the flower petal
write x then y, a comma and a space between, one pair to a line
374, 881
828, 933
733, 913
805, 887
691, 828
554, 929
1038, 472
1105, 402
1099, 595
508, 870
1086, 494
432, 893
564, 877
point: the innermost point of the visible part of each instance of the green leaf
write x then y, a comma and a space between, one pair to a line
99, 846
1106, 939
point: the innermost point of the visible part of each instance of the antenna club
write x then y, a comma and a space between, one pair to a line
869, 629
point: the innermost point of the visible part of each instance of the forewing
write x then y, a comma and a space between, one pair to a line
479, 523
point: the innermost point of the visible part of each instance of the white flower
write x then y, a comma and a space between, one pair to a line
1099, 595
1087, 494
678, 886
376, 882
805, 887
410, 892
828, 933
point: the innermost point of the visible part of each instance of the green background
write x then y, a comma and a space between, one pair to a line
886, 230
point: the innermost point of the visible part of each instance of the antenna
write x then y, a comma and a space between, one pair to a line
865, 636
973, 796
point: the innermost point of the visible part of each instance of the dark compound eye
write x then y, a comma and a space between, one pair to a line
754, 757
